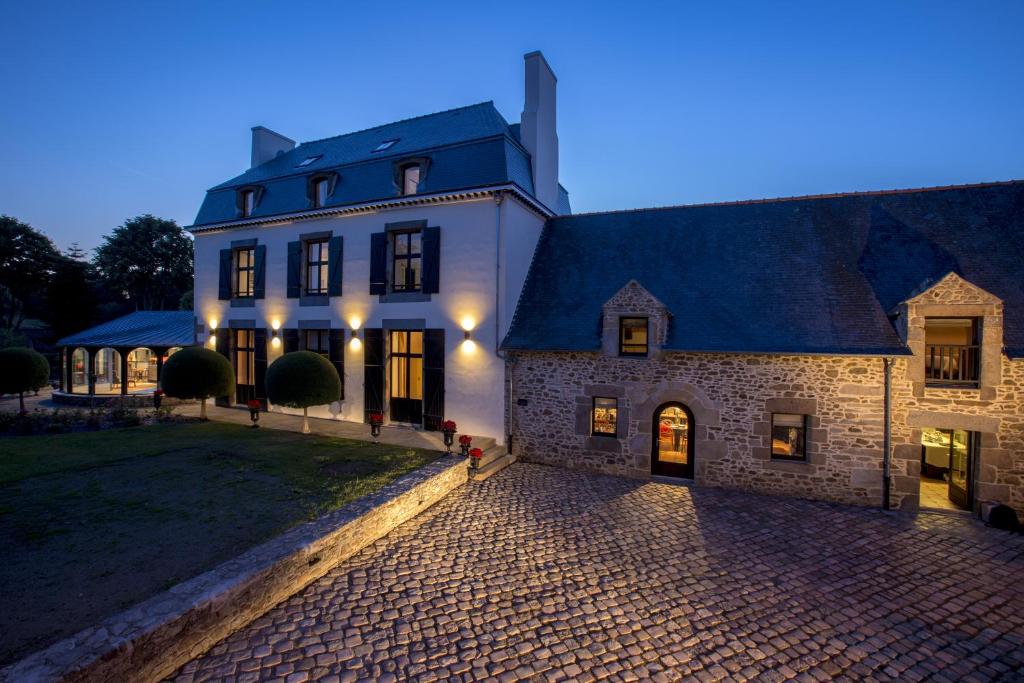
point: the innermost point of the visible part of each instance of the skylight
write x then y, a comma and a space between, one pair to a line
385, 145
308, 160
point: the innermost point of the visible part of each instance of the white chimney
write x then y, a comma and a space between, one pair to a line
266, 144
537, 128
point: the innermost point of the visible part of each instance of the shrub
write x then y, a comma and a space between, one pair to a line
197, 372
21, 370
302, 379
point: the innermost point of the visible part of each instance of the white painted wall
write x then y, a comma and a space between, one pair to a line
474, 374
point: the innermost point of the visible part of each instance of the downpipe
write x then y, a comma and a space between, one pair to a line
498, 199
887, 434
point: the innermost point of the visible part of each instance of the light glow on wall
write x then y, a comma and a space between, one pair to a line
467, 322
355, 344
213, 340
468, 346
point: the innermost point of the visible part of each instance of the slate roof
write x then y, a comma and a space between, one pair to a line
468, 147
798, 275
141, 328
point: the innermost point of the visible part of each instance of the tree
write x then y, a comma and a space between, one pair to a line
71, 297
148, 261
22, 370
301, 379
27, 260
197, 372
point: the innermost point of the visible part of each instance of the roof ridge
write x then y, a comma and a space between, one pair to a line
392, 123
797, 198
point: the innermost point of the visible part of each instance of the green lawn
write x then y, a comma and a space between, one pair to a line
94, 522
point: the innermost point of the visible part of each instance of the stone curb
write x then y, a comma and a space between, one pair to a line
154, 638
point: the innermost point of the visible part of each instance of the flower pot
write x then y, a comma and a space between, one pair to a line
449, 439
157, 401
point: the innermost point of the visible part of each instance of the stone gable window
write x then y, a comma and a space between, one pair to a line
789, 436
633, 335
952, 354
604, 416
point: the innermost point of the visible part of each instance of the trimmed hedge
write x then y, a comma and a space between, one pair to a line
21, 370
302, 379
197, 372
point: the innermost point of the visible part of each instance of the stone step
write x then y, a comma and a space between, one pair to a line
500, 461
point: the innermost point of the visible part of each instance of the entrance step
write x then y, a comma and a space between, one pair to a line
494, 459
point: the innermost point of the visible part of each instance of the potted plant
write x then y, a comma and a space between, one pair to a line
474, 458
158, 398
448, 429
376, 420
197, 372
254, 411
465, 441
302, 379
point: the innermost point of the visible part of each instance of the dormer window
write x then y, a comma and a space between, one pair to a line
320, 192
410, 179
633, 336
247, 202
387, 144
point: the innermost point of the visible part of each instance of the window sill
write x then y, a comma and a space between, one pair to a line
403, 297
972, 386
243, 302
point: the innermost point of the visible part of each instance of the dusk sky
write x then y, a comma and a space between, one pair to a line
116, 109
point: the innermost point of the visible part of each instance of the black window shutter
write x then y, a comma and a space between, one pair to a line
373, 371
335, 256
259, 365
336, 352
294, 269
433, 379
259, 287
379, 263
291, 340
224, 349
431, 260
224, 288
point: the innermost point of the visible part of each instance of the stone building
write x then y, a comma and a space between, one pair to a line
748, 345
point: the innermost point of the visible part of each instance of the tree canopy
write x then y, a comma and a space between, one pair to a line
197, 372
22, 370
27, 262
301, 379
148, 261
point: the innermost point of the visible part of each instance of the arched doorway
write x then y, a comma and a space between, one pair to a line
672, 449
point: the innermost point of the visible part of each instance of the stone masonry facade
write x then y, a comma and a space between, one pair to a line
732, 398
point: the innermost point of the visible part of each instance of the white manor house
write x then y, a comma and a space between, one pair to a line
862, 347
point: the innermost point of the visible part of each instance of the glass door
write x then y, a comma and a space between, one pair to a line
961, 443
673, 441
405, 376
244, 348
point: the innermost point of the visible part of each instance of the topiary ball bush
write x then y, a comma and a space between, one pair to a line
301, 379
197, 372
21, 370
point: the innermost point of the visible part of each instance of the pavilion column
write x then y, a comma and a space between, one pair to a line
90, 369
65, 376
159, 365
124, 371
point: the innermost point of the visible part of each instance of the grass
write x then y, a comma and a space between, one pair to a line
94, 522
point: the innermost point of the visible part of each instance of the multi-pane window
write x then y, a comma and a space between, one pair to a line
245, 349
317, 341
407, 262
245, 269
248, 202
632, 336
316, 267
410, 179
407, 364
320, 191
604, 416
789, 436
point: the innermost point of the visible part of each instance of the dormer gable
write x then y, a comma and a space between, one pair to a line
952, 289
633, 301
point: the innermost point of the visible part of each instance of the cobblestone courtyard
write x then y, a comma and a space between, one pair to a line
547, 574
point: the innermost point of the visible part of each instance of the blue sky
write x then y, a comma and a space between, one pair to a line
116, 109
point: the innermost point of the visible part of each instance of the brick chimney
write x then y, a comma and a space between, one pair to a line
537, 129
266, 144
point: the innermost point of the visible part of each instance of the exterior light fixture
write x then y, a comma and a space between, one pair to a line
275, 339
213, 340
466, 335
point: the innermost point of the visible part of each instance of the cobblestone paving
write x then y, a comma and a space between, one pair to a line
547, 574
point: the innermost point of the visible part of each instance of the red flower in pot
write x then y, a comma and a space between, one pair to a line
465, 441
254, 411
376, 420
474, 458
158, 398
448, 428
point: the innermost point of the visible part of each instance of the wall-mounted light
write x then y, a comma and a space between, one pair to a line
466, 334
275, 337
213, 324
355, 334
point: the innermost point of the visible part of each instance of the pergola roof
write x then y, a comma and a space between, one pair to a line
151, 329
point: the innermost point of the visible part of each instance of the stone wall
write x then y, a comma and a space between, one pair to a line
149, 641
732, 397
